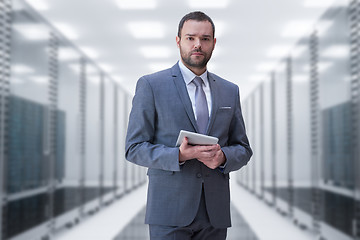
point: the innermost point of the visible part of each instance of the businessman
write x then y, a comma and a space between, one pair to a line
188, 192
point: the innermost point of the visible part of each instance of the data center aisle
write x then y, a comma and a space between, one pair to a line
124, 220
137, 230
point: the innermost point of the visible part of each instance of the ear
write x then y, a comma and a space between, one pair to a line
178, 41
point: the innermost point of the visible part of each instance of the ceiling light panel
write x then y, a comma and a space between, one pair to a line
40, 5
278, 51
208, 3
296, 29
21, 69
337, 51
324, 3
158, 66
147, 30
155, 52
32, 32
68, 54
90, 52
67, 30
136, 4
266, 66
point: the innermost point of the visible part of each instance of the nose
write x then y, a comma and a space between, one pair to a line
197, 44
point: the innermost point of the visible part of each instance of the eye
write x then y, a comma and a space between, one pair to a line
190, 38
206, 39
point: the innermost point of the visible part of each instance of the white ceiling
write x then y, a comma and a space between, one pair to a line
247, 30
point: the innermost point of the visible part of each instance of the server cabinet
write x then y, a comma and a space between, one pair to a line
26, 210
336, 139
109, 168
93, 162
250, 167
122, 126
268, 150
300, 66
281, 169
258, 161
68, 167
5, 45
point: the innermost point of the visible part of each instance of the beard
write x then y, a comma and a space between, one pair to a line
196, 63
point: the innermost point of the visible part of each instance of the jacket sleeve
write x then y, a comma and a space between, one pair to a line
237, 151
139, 146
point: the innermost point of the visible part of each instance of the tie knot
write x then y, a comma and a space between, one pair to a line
198, 81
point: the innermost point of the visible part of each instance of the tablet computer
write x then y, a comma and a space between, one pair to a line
196, 138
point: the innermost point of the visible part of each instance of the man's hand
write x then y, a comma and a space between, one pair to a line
211, 156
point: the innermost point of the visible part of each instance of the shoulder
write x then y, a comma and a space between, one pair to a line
222, 82
159, 77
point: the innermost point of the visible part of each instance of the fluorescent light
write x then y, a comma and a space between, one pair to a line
296, 29
67, 30
136, 4
208, 3
322, 66
90, 52
278, 51
266, 66
142, 30
117, 79
67, 54
300, 78
33, 32
336, 51
94, 79
106, 67
317, 3
155, 52
158, 66
39, 5
258, 77
21, 69
40, 79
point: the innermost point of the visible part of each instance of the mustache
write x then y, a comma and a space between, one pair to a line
197, 51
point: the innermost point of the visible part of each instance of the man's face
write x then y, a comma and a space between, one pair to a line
196, 43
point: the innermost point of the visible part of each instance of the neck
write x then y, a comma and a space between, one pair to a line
196, 70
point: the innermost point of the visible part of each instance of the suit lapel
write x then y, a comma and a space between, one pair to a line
214, 100
183, 93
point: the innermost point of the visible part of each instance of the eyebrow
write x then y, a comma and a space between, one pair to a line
191, 35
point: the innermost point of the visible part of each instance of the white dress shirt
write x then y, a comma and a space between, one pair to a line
188, 76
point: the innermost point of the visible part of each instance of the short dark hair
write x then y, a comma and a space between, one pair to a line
197, 16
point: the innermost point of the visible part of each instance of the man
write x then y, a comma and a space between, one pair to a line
188, 192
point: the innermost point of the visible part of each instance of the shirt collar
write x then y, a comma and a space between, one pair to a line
188, 75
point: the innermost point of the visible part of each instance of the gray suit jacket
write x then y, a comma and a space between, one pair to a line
161, 108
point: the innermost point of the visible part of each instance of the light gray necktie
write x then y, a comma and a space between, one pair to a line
202, 111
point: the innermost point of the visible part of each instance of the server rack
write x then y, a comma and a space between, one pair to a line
5, 45
280, 137
39, 195
301, 156
329, 204
354, 13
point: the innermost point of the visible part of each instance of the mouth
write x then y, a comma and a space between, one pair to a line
197, 54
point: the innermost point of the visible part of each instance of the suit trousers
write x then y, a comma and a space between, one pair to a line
199, 229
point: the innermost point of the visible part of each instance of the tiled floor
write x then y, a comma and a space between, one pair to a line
137, 230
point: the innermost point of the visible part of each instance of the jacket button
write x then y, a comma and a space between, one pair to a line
198, 175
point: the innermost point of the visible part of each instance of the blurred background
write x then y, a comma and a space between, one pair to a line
68, 70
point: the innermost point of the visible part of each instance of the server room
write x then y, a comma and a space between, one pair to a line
68, 74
